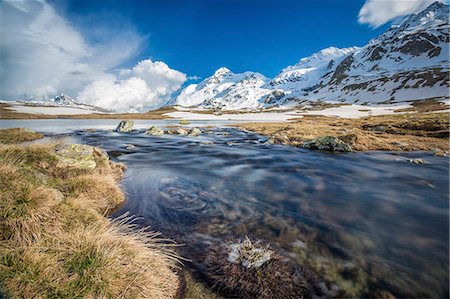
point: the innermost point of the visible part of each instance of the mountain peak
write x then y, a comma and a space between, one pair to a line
63, 99
221, 71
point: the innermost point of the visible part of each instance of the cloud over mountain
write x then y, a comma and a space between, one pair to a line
378, 12
43, 54
145, 86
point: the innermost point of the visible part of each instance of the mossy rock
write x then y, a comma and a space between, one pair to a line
76, 156
184, 122
154, 131
125, 126
328, 143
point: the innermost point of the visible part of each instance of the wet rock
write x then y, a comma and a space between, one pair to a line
154, 131
184, 122
181, 131
206, 143
379, 129
130, 146
328, 143
125, 126
439, 153
76, 156
415, 161
247, 269
195, 132
269, 141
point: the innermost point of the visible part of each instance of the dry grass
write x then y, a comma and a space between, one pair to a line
7, 113
16, 135
55, 241
387, 132
423, 106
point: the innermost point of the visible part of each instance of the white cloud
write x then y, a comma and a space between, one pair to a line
146, 86
378, 12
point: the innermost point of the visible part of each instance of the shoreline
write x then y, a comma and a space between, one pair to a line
399, 132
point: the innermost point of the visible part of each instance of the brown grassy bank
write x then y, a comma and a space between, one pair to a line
55, 241
405, 132
7, 113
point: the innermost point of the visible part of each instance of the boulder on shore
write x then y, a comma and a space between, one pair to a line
125, 126
79, 156
154, 131
328, 143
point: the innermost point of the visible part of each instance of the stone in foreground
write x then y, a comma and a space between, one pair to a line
76, 156
154, 131
125, 126
328, 143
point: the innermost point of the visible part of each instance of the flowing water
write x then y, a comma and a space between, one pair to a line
371, 224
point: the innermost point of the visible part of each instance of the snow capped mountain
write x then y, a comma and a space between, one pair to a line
311, 72
410, 61
63, 101
227, 90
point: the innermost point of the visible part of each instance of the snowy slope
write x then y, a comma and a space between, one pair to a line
227, 90
408, 62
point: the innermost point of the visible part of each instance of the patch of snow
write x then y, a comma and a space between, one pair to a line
357, 111
50, 110
254, 117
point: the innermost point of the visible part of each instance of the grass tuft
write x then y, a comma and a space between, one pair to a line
16, 135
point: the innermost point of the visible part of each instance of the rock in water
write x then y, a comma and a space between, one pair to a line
416, 161
154, 131
76, 156
195, 132
328, 143
181, 131
125, 126
184, 122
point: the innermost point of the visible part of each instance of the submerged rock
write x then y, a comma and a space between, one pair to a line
130, 146
249, 254
415, 161
246, 269
125, 126
154, 131
76, 156
328, 143
184, 122
195, 132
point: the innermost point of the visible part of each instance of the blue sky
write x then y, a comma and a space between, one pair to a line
136, 54
197, 37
